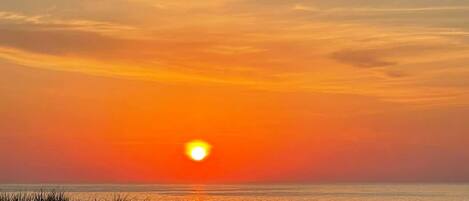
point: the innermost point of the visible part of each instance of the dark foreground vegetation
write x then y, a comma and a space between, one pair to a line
46, 196
37, 196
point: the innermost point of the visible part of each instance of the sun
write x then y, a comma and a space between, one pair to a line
197, 150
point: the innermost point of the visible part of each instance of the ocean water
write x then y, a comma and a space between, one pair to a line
318, 192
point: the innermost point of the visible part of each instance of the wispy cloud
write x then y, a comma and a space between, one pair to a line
52, 23
113, 69
403, 9
365, 59
301, 7
304, 7
20, 18
231, 50
224, 43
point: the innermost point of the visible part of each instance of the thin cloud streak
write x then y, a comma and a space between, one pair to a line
302, 7
51, 23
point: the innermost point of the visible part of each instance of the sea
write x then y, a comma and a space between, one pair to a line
290, 192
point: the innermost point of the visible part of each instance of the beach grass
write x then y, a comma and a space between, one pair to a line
47, 196
34, 196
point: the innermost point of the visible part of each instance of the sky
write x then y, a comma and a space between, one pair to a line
109, 91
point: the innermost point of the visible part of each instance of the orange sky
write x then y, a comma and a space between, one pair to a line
285, 91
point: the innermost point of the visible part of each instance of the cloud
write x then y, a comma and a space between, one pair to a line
224, 43
362, 58
301, 7
396, 74
20, 18
231, 50
403, 9
181, 4
57, 42
48, 22
116, 69
342, 10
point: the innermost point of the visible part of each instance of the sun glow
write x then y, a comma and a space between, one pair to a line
197, 150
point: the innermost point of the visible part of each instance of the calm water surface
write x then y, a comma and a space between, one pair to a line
329, 192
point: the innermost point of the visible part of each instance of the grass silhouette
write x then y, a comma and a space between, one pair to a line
48, 196
37, 196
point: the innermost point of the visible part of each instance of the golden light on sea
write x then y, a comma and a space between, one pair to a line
197, 150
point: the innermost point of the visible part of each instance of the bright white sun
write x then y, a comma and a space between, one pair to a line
197, 150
